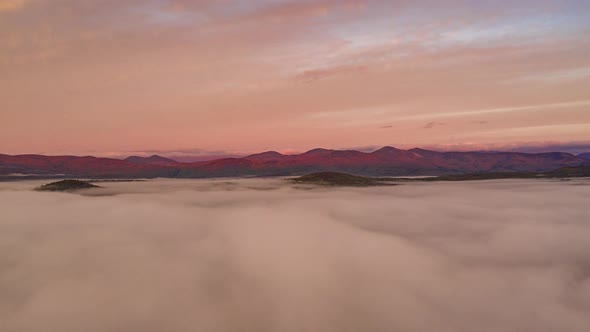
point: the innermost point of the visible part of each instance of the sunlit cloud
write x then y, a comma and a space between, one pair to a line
11, 5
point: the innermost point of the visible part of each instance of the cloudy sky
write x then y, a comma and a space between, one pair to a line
106, 77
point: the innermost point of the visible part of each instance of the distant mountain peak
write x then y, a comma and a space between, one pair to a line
154, 159
317, 151
268, 155
387, 149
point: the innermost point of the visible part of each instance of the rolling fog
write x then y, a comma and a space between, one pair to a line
262, 255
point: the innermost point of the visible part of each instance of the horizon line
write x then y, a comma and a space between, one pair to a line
183, 156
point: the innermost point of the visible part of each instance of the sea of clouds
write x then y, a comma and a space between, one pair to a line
264, 255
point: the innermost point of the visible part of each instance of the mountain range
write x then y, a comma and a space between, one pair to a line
387, 161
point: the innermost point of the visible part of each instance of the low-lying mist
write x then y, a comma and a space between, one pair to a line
263, 255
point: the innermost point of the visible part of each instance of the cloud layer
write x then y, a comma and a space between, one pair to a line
257, 255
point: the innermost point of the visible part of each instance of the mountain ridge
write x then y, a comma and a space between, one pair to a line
386, 161
152, 160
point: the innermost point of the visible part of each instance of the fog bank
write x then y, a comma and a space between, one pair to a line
262, 255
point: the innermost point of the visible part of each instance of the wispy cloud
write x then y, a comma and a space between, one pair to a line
515, 109
431, 125
318, 74
11, 5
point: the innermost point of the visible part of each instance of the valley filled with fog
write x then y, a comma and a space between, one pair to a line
266, 255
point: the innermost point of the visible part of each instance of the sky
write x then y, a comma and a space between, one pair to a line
117, 77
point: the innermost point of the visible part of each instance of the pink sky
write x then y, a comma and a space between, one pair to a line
116, 76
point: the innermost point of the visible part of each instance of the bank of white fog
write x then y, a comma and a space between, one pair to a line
259, 255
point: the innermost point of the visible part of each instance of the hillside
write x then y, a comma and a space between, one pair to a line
563, 172
153, 160
337, 179
67, 185
387, 161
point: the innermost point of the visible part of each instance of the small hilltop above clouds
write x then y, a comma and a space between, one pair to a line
67, 186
